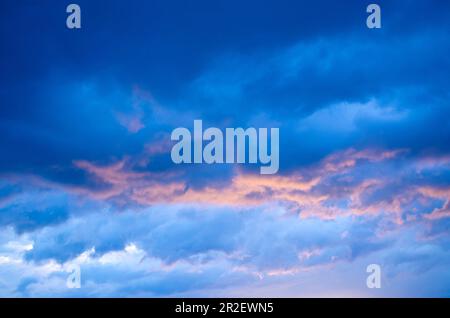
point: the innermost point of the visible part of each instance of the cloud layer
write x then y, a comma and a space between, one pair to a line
87, 179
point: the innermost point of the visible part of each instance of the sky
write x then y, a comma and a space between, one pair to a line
87, 180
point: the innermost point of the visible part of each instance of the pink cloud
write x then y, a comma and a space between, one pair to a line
132, 122
298, 191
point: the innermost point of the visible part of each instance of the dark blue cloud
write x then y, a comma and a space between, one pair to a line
28, 210
62, 89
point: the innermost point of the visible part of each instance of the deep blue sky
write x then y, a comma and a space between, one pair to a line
85, 120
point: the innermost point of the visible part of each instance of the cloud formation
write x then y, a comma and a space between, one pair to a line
87, 179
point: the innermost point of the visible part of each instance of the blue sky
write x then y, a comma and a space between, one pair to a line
86, 174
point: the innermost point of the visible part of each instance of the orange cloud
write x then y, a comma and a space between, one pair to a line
442, 193
298, 191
